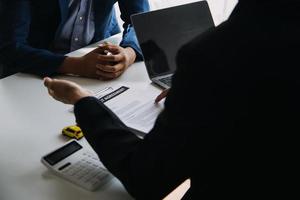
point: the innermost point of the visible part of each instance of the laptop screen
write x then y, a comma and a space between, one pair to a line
161, 33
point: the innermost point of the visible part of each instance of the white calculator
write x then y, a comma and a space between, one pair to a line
75, 164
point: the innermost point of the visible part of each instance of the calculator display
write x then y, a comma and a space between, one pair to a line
62, 152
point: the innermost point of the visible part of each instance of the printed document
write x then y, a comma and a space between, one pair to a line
135, 108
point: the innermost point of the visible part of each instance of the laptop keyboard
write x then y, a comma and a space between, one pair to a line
166, 80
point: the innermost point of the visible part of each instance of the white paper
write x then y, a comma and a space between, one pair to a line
135, 108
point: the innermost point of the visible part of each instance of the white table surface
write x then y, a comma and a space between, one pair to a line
30, 127
31, 123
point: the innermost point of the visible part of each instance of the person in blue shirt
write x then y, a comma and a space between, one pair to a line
35, 36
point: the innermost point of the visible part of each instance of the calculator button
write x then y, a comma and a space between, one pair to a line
64, 166
88, 172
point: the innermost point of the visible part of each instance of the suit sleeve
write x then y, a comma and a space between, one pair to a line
149, 168
127, 8
15, 52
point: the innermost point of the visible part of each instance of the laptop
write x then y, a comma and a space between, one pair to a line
161, 33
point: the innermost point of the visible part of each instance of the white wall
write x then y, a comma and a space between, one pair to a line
220, 9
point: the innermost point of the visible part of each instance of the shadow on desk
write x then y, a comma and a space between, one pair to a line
6, 71
1, 71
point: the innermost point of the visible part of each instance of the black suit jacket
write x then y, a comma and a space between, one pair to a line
231, 118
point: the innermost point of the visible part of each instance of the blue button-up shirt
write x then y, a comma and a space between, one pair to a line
79, 28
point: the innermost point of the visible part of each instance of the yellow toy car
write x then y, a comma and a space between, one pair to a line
73, 132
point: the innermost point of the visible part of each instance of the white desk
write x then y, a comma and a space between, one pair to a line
30, 127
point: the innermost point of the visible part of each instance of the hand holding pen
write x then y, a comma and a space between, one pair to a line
114, 61
107, 61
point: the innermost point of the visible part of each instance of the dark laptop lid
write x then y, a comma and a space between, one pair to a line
162, 32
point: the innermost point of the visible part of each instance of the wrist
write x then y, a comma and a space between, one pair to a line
131, 55
80, 95
71, 65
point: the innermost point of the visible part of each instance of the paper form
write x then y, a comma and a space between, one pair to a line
135, 108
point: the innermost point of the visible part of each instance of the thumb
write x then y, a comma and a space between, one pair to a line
47, 81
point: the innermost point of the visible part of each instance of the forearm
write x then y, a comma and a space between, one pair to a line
129, 7
130, 40
30, 60
71, 65
96, 121
141, 165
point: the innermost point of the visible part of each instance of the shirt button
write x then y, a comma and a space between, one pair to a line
80, 18
76, 39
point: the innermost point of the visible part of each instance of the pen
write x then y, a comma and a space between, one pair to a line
161, 96
107, 53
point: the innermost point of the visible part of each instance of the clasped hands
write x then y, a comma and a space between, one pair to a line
108, 61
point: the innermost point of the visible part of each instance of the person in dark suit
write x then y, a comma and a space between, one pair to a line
36, 34
231, 118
